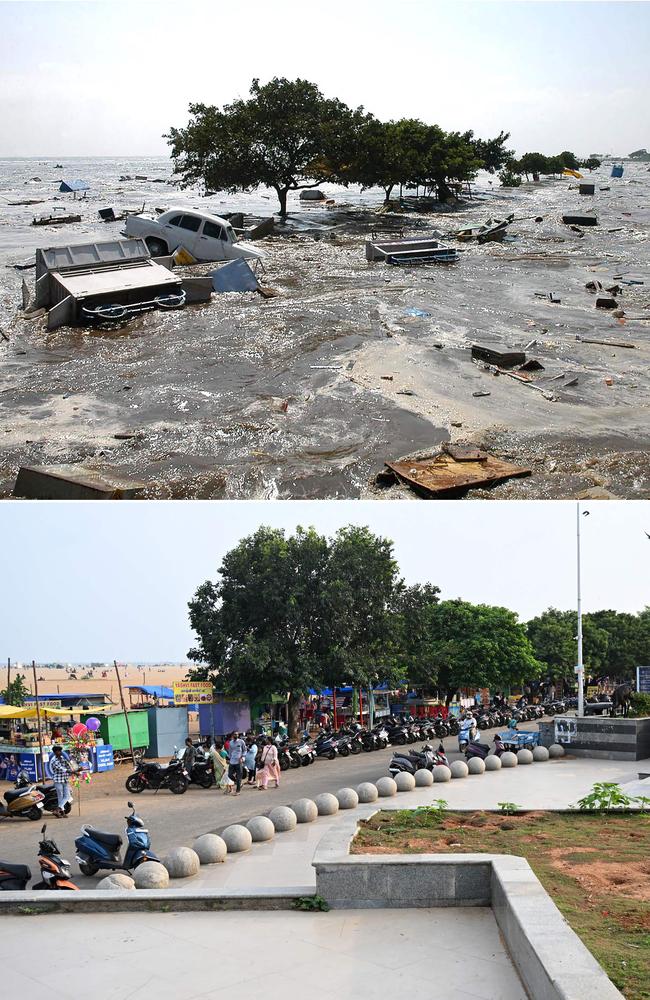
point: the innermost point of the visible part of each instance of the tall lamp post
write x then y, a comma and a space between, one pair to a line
580, 670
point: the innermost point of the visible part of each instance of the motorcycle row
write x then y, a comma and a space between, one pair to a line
96, 851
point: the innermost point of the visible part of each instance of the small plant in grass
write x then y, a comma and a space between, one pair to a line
643, 802
605, 795
509, 808
311, 903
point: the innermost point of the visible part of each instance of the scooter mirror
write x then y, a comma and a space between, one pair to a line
43, 829
130, 805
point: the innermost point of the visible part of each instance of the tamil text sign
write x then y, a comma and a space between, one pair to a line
192, 692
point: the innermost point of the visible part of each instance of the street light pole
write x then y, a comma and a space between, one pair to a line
580, 666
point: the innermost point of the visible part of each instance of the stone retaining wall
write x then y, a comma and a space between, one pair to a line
608, 737
550, 958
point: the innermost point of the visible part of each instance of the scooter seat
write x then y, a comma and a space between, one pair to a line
18, 871
110, 839
14, 793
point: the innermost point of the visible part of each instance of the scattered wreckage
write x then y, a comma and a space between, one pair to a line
427, 250
207, 237
116, 280
56, 217
492, 231
95, 282
451, 472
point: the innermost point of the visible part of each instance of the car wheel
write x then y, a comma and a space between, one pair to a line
157, 248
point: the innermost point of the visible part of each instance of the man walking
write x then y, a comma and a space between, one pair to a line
236, 752
60, 770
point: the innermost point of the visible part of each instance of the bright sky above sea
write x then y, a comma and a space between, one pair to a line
108, 78
102, 581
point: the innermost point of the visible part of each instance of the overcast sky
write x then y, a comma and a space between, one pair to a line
110, 77
98, 581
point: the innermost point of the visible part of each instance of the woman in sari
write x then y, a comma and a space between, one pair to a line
269, 769
220, 768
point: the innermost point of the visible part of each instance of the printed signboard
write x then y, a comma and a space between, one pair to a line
643, 680
104, 758
193, 692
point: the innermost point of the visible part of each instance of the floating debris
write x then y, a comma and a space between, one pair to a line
447, 474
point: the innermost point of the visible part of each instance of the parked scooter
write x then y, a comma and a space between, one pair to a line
50, 798
55, 870
202, 772
13, 878
97, 850
415, 760
476, 749
25, 802
149, 774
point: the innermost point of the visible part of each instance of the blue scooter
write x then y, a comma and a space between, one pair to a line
97, 850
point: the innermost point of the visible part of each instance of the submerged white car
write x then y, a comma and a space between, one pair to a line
207, 237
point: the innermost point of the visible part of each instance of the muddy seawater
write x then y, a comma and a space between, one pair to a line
353, 363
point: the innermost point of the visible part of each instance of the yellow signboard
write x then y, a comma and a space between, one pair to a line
192, 692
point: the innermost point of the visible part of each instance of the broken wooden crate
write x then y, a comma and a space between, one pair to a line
455, 470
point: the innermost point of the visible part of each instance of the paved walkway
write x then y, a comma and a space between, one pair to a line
340, 955
286, 860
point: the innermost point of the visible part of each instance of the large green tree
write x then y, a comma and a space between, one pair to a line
417, 633
292, 613
553, 636
16, 692
479, 645
286, 135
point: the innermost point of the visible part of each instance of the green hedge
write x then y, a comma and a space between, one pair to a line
640, 703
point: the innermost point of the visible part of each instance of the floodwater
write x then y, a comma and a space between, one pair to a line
307, 394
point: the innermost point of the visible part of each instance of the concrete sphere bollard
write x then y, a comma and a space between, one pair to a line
492, 762
151, 875
348, 798
405, 782
260, 828
524, 756
367, 792
327, 804
116, 880
237, 838
556, 750
476, 765
423, 778
182, 862
283, 819
210, 848
386, 788
540, 753
306, 810
441, 773
459, 769
509, 759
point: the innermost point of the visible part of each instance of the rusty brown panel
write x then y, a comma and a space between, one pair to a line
443, 474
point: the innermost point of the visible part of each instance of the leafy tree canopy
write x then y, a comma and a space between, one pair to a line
286, 136
16, 692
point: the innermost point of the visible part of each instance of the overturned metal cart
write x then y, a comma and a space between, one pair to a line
411, 251
96, 282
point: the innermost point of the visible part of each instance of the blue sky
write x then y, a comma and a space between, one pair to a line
108, 78
97, 581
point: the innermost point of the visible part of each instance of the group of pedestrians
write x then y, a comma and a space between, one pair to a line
237, 760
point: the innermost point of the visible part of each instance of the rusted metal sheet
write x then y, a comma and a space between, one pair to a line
445, 476
465, 453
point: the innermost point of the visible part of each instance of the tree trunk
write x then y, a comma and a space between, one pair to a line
282, 198
293, 715
444, 191
387, 191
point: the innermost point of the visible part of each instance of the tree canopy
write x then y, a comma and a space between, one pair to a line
16, 692
286, 135
614, 643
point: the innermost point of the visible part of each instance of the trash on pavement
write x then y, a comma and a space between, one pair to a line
443, 475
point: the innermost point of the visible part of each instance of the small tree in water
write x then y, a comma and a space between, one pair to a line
286, 136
